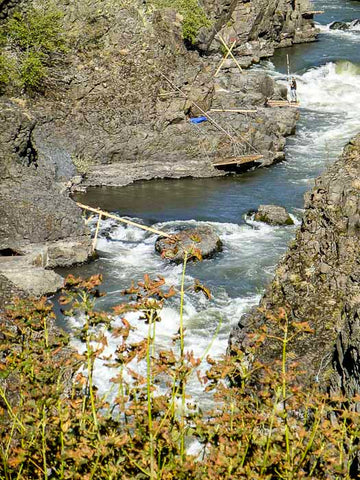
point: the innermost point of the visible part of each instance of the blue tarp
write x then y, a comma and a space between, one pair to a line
198, 120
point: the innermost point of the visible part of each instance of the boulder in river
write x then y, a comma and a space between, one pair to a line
201, 239
273, 215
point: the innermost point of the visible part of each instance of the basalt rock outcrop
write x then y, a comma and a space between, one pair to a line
110, 111
353, 25
118, 118
258, 26
40, 226
318, 281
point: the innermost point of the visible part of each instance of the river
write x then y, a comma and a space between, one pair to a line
328, 77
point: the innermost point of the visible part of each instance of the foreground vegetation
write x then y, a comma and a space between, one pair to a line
265, 423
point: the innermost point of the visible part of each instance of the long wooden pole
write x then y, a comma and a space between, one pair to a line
230, 53
219, 127
288, 66
224, 59
96, 233
229, 110
120, 219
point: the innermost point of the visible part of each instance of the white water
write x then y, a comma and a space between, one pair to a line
352, 34
330, 112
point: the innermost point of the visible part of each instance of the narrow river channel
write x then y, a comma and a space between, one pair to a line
328, 77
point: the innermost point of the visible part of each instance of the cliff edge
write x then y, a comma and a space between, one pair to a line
318, 282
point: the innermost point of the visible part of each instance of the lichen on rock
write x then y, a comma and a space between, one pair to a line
273, 215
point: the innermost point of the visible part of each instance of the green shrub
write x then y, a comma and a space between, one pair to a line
193, 15
30, 41
8, 72
33, 70
38, 29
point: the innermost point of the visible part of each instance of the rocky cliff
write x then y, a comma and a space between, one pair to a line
258, 26
109, 110
40, 226
318, 282
119, 120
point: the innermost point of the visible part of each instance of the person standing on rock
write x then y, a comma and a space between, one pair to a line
293, 92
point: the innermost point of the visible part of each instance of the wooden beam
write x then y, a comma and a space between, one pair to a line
102, 213
237, 160
225, 58
231, 110
230, 53
282, 103
313, 12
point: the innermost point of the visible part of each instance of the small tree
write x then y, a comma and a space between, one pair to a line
193, 15
30, 42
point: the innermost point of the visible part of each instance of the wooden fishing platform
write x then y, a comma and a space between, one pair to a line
237, 160
312, 12
282, 103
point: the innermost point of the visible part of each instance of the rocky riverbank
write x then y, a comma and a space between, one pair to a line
121, 121
41, 228
318, 282
106, 115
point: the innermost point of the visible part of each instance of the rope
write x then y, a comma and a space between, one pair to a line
219, 127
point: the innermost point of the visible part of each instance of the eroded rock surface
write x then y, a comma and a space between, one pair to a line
203, 239
318, 281
119, 119
260, 25
273, 215
35, 214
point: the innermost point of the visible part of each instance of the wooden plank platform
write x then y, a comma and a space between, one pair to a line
282, 103
237, 160
313, 12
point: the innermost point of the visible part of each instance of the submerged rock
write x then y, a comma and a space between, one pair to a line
273, 215
339, 26
201, 239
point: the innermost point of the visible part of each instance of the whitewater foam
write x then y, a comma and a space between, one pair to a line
352, 33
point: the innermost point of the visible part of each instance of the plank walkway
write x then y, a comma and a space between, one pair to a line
282, 103
237, 160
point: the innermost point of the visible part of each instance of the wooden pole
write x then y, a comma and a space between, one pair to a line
230, 53
288, 66
224, 59
96, 233
219, 127
123, 220
232, 110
